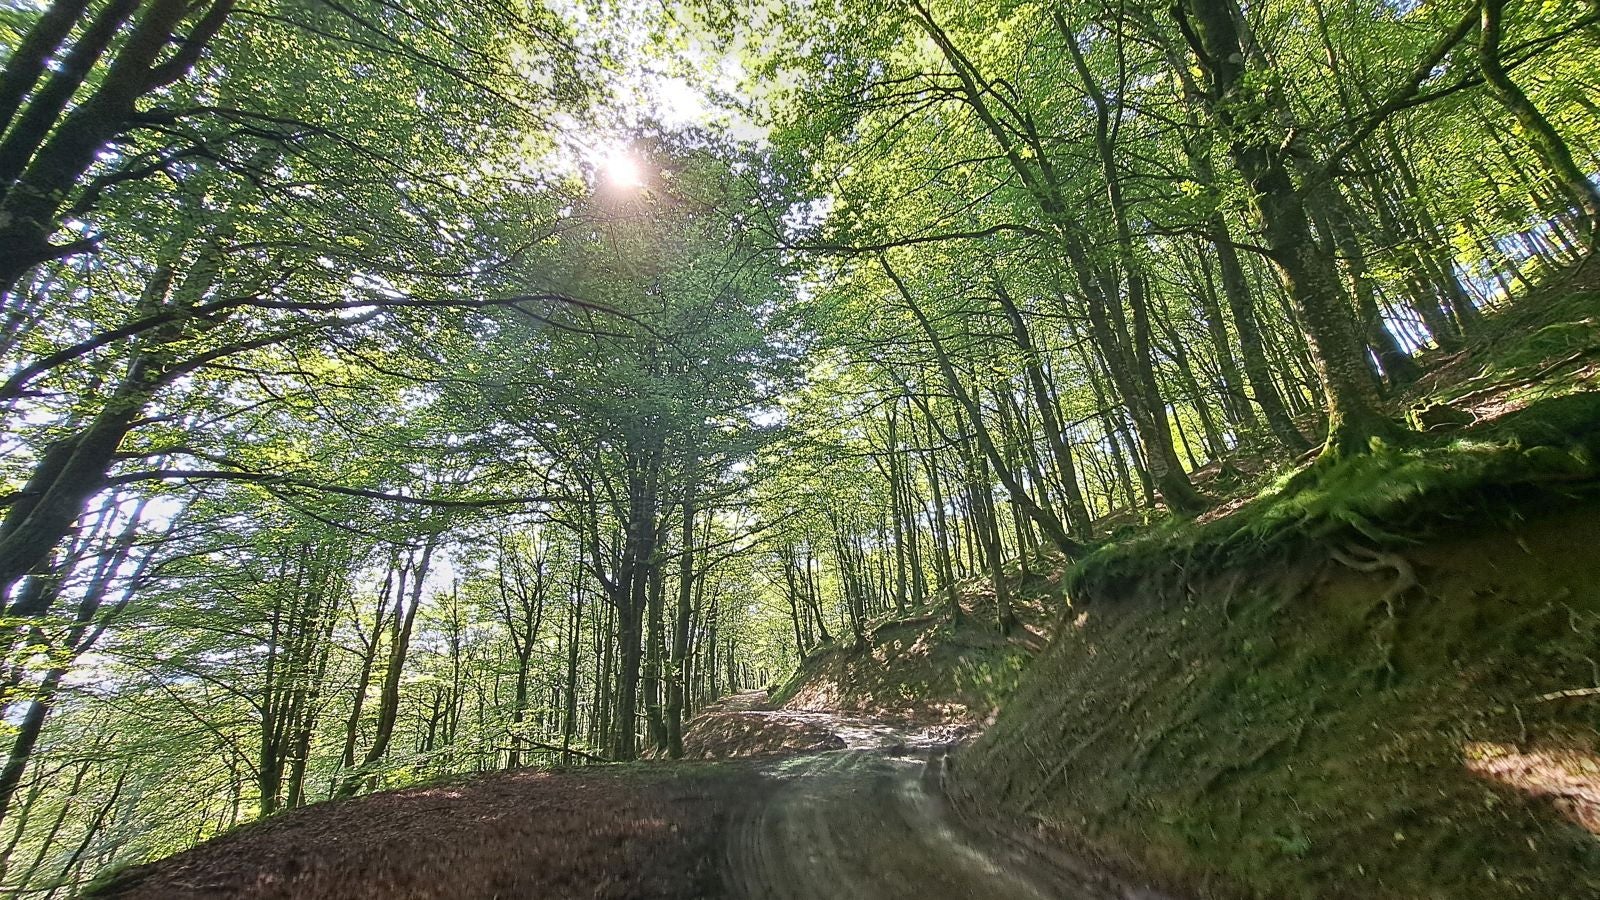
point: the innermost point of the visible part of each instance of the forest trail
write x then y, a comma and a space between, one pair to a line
872, 821
746, 724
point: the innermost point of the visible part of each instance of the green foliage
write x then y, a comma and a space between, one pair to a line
405, 421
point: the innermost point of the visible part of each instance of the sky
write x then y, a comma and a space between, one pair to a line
668, 68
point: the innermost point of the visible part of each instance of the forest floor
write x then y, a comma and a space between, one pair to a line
920, 670
865, 818
614, 831
868, 824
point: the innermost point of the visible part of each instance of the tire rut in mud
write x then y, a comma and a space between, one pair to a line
874, 824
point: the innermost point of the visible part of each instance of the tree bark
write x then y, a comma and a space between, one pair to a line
1546, 141
1309, 276
682, 614
58, 157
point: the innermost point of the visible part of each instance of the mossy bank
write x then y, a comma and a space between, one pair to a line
1338, 721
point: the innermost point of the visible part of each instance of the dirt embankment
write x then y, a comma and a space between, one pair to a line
1420, 723
742, 725
619, 832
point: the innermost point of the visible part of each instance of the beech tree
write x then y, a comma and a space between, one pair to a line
393, 390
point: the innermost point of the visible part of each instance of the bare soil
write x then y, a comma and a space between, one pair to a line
746, 725
870, 820
749, 725
875, 825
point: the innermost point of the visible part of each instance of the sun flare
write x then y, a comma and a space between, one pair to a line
622, 170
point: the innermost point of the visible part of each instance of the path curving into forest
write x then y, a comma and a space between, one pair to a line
872, 821
867, 819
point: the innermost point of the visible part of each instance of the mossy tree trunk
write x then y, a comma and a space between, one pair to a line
1309, 276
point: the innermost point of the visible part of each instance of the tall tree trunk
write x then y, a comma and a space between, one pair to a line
1546, 141
569, 724
681, 618
654, 662
1309, 276
1235, 287
369, 658
941, 526
1055, 436
1396, 363
1133, 373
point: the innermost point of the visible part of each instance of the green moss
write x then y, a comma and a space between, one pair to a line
1390, 496
1276, 731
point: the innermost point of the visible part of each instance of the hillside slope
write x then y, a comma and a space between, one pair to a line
617, 831
1317, 730
922, 670
1377, 677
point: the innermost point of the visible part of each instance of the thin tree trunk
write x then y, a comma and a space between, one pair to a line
1546, 141
683, 613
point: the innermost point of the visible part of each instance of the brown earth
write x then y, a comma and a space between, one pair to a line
720, 734
868, 822
865, 825
651, 830
748, 725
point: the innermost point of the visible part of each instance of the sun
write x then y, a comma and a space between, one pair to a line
622, 170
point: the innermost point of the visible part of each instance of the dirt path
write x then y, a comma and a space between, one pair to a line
741, 725
866, 820
872, 821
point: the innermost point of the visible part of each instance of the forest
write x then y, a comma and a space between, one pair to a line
405, 389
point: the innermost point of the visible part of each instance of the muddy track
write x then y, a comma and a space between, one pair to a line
867, 821
873, 822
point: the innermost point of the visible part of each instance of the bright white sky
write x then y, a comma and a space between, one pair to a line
653, 85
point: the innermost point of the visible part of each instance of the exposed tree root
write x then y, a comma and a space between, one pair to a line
1364, 559
1228, 594
1287, 741
1536, 377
